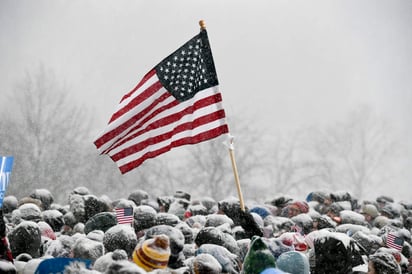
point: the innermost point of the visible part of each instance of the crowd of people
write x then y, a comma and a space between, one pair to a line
322, 233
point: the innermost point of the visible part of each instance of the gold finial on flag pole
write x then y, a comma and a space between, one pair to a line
202, 24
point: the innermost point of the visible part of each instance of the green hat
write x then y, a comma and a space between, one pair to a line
258, 258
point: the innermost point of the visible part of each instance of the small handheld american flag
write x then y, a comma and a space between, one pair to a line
124, 215
392, 241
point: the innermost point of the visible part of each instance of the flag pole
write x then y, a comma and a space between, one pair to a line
235, 172
202, 25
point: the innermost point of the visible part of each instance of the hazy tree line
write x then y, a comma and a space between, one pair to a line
50, 137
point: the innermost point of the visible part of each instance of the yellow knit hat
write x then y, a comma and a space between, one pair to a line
152, 253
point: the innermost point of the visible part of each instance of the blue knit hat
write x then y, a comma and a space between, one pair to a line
272, 270
293, 262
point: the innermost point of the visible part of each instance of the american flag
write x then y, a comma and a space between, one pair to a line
124, 215
392, 241
176, 103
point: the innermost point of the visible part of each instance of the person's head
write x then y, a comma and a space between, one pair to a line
334, 211
297, 208
370, 212
152, 253
382, 263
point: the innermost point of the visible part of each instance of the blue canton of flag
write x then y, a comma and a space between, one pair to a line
392, 241
124, 215
6, 165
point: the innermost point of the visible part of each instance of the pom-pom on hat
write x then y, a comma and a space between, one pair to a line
153, 253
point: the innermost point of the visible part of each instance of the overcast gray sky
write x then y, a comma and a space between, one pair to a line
286, 63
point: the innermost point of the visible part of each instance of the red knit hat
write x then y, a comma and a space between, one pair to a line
302, 206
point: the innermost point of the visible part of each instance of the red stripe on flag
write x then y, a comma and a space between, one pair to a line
168, 135
146, 93
124, 215
170, 119
149, 120
145, 78
184, 141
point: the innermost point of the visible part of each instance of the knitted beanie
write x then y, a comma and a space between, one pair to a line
153, 253
293, 262
258, 257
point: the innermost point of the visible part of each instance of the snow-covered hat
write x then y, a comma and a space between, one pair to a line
120, 237
205, 264
138, 196
25, 238
384, 263
152, 253
369, 209
293, 262
258, 257
44, 195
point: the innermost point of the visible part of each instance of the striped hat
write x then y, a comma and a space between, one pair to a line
153, 253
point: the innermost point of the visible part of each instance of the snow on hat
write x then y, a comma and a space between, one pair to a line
217, 220
138, 196
182, 195
380, 221
80, 190
101, 221
25, 238
318, 196
10, 203
384, 199
302, 206
293, 262
391, 211
352, 217
335, 252
258, 257
92, 206
46, 230
272, 270
384, 263
205, 264
144, 217
120, 237
187, 232
54, 218
228, 261
324, 221
103, 262
44, 195
281, 201
213, 235
124, 267
304, 222
163, 218
209, 203
85, 248
176, 240
261, 211
197, 210
341, 196
153, 253
369, 242
369, 209
295, 240
96, 235
27, 212
61, 247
